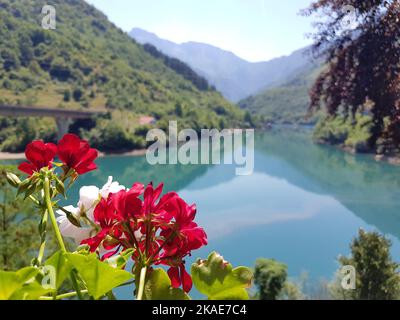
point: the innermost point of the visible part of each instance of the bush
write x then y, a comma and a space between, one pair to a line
360, 134
352, 133
77, 94
270, 277
67, 95
16, 133
111, 137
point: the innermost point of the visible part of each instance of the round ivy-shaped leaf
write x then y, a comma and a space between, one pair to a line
218, 280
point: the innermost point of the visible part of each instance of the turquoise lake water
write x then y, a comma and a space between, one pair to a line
302, 205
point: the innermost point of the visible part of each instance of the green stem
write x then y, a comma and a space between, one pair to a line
43, 238
62, 296
169, 238
128, 228
141, 283
76, 285
47, 199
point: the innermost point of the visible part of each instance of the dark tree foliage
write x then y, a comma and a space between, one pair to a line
377, 276
270, 277
179, 67
363, 63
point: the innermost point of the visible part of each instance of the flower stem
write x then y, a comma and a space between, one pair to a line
42, 238
62, 296
169, 238
141, 283
128, 228
76, 285
47, 199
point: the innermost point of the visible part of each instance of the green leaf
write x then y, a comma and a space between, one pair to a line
158, 287
31, 291
61, 265
11, 281
99, 277
217, 279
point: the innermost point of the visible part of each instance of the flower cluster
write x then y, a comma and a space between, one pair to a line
73, 152
156, 229
160, 229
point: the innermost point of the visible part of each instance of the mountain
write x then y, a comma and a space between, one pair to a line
87, 62
287, 103
234, 77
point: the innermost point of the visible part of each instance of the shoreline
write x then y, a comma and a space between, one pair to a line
21, 155
382, 158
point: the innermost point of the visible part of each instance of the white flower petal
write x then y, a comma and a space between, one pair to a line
110, 187
88, 198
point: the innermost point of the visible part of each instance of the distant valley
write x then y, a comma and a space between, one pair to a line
234, 77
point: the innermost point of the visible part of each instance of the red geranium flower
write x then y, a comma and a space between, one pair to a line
183, 236
76, 153
158, 211
39, 155
160, 229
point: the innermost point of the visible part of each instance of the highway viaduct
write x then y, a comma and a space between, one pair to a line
63, 117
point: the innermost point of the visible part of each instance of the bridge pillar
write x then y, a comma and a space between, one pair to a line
63, 126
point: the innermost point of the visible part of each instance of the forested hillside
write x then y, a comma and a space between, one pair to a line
286, 103
87, 62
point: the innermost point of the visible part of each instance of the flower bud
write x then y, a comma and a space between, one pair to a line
13, 179
72, 218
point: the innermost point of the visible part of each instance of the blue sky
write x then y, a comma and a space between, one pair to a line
255, 30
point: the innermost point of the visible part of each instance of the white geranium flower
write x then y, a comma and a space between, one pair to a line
110, 187
69, 230
89, 197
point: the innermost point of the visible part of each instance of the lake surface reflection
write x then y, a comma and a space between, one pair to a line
302, 205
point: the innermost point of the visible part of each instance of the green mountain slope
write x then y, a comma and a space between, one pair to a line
87, 62
286, 103
234, 77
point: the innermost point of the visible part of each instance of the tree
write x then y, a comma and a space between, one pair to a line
270, 277
248, 118
377, 277
77, 94
363, 64
67, 95
178, 109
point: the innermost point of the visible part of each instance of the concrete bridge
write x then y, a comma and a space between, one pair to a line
63, 117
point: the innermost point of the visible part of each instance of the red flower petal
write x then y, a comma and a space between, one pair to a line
185, 278
173, 274
27, 167
77, 154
